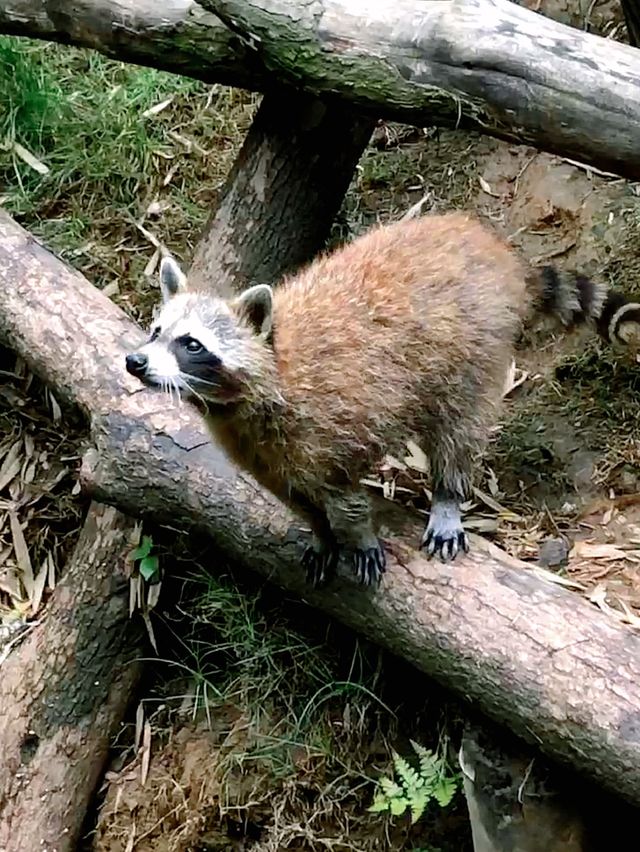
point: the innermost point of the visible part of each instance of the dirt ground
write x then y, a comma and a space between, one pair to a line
559, 485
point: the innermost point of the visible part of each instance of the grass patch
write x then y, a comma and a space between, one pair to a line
110, 162
295, 719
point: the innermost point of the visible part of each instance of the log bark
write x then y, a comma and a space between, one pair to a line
290, 177
488, 65
518, 75
64, 692
172, 35
528, 653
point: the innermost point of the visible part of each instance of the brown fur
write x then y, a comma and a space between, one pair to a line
406, 333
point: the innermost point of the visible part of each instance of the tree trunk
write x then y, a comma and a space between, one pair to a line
631, 11
488, 65
289, 179
530, 654
64, 691
514, 802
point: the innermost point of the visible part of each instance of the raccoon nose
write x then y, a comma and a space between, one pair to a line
136, 363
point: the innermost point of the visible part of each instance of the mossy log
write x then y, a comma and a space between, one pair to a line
489, 65
528, 653
64, 691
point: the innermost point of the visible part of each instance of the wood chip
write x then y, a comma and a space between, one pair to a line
487, 188
154, 110
416, 458
139, 726
146, 753
56, 413
588, 550
51, 573
38, 587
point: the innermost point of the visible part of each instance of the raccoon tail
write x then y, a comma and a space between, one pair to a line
575, 299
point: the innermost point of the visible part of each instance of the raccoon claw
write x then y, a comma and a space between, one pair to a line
446, 544
319, 564
369, 565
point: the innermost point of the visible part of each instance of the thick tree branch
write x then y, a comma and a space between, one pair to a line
527, 653
489, 65
517, 75
64, 691
173, 35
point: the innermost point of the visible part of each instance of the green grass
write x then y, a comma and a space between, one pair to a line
83, 116
316, 704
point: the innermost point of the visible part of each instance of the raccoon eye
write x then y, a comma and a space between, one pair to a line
193, 346
154, 334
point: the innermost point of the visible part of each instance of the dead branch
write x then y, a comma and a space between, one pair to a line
528, 653
64, 691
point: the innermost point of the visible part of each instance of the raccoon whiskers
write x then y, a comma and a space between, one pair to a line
174, 386
168, 385
192, 391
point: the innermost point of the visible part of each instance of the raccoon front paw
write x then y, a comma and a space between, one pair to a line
319, 562
446, 545
369, 564
444, 535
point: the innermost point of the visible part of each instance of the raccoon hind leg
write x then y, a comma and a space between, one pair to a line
451, 468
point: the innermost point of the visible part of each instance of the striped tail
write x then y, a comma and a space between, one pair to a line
575, 300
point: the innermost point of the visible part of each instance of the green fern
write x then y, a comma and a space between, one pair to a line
415, 787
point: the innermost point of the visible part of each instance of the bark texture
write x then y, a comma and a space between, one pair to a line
513, 73
283, 192
528, 653
64, 691
173, 35
489, 65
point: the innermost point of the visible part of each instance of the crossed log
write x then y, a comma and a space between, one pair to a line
488, 65
528, 653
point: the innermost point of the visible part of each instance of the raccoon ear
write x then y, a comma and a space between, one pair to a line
256, 304
172, 278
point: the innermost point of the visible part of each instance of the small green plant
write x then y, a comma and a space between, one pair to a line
149, 564
416, 787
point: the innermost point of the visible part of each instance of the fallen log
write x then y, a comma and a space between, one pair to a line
173, 35
518, 75
487, 65
528, 653
64, 692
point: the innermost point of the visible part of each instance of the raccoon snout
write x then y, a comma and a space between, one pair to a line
137, 364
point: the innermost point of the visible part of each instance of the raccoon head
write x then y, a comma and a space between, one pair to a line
207, 349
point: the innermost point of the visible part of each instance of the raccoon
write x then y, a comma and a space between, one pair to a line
406, 332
